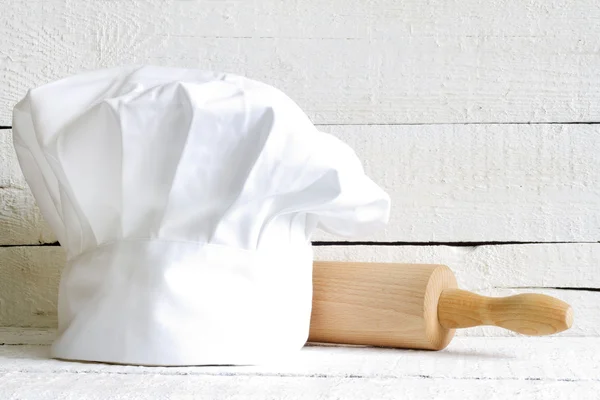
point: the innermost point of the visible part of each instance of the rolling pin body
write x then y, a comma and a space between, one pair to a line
416, 306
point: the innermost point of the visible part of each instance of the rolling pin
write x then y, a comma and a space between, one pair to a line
416, 306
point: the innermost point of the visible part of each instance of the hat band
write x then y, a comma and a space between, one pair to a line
157, 302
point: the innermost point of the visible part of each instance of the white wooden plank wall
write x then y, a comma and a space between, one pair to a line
481, 119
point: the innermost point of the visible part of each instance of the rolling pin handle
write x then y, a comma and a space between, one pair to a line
528, 314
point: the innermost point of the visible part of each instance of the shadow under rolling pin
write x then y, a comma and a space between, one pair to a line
416, 306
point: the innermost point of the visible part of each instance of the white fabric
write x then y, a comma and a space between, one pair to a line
185, 201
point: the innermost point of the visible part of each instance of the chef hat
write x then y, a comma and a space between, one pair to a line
185, 201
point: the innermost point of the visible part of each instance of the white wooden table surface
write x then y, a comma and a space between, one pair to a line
480, 118
471, 367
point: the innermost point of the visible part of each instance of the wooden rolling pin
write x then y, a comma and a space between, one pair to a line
416, 306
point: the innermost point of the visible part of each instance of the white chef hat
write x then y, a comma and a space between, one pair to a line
185, 201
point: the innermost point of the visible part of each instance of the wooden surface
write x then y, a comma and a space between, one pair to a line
357, 62
470, 368
448, 183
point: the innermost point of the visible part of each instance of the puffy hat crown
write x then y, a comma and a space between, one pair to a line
185, 200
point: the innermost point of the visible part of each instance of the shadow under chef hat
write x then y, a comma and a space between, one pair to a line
185, 201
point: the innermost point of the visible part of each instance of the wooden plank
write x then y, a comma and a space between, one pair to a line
467, 358
495, 367
448, 183
43, 386
29, 277
12, 336
489, 267
10, 172
20, 219
340, 19
484, 182
348, 62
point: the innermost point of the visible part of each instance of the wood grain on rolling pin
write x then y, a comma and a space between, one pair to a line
416, 306
530, 314
387, 305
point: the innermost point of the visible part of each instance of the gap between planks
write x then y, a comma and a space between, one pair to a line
367, 243
450, 244
443, 123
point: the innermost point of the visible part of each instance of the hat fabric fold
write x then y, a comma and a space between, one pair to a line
185, 201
